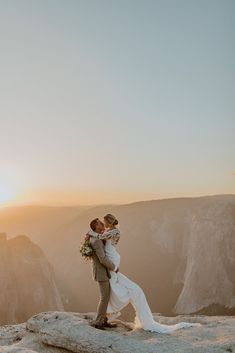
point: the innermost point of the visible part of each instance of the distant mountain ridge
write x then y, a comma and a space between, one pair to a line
27, 281
179, 250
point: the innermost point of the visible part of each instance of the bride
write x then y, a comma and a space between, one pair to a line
123, 290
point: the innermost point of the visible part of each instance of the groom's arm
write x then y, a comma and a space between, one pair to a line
110, 234
99, 249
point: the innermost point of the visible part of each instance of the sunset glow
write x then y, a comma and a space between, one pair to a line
6, 195
92, 115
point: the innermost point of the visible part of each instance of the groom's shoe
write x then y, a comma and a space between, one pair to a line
97, 325
109, 325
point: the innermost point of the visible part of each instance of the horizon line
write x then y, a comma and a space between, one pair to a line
109, 204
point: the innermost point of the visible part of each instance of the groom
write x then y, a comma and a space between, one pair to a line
101, 266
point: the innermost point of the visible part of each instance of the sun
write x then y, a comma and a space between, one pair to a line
6, 195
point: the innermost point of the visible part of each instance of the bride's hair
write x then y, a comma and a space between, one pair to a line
111, 219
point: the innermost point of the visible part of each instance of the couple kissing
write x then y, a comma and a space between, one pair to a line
117, 290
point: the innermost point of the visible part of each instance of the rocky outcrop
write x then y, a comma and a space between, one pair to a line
15, 350
210, 267
57, 332
26, 280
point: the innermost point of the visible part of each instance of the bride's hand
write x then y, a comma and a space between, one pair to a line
87, 237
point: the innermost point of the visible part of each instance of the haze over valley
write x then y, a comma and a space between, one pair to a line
181, 252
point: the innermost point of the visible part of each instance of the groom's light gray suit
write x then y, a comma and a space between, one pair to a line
101, 266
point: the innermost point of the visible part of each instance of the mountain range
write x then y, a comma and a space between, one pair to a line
180, 251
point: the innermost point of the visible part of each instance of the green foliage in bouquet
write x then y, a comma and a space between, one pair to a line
86, 250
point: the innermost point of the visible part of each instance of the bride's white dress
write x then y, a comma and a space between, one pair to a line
125, 291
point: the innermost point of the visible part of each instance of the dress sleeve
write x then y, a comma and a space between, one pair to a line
110, 234
113, 234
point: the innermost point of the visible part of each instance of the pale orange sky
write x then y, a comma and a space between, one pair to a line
66, 198
114, 102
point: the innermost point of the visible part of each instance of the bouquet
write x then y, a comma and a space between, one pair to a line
86, 250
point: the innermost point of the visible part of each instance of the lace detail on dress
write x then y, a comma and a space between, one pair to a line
113, 235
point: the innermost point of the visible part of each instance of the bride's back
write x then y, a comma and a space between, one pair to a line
111, 252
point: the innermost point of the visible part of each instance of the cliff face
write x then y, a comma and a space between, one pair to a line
210, 265
26, 280
181, 251
190, 244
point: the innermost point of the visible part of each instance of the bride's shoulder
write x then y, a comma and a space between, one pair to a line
115, 231
110, 234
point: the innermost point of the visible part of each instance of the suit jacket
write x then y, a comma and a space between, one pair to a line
101, 265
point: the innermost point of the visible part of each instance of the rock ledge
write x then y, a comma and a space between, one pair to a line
60, 332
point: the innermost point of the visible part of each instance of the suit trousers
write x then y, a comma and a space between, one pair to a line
104, 288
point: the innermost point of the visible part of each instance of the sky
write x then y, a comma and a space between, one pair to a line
106, 101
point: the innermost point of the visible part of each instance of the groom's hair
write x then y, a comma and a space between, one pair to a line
93, 224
